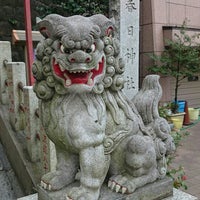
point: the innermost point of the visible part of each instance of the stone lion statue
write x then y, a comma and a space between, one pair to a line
98, 133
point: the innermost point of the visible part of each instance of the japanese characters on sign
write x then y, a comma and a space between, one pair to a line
129, 43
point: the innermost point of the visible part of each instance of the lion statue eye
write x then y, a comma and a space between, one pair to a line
64, 50
91, 49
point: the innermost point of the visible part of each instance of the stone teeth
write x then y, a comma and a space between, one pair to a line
90, 75
79, 71
62, 68
97, 68
90, 81
68, 81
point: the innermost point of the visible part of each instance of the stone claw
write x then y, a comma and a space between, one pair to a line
67, 198
109, 183
114, 186
117, 187
124, 189
45, 185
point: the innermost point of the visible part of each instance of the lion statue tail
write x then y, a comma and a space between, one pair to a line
146, 102
147, 99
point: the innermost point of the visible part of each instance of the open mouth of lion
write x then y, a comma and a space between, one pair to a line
78, 76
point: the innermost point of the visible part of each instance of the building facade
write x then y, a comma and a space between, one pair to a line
160, 19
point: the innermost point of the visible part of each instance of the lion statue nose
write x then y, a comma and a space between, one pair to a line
79, 57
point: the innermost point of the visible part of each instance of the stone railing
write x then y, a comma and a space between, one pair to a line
19, 111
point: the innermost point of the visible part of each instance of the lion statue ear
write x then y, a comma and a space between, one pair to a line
106, 26
45, 28
48, 25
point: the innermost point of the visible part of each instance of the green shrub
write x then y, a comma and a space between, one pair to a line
72, 7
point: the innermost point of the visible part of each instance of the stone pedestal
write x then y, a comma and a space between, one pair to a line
155, 191
177, 195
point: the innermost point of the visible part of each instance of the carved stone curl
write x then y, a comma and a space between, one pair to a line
95, 128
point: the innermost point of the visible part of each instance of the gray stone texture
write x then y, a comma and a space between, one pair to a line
83, 110
27, 172
9, 186
156, 191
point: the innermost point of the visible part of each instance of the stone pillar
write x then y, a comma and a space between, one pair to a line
16, 80
125, 14
5, 56
32, 123
48, 153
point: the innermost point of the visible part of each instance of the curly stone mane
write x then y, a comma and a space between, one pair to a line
46, 85
95, 128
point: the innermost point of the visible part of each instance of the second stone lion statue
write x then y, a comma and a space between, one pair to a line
97, 131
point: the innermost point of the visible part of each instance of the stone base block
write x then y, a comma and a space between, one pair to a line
154, 191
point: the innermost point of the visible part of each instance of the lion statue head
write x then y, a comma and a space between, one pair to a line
77, 54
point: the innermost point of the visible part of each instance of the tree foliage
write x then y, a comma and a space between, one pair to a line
71, 7
180, 59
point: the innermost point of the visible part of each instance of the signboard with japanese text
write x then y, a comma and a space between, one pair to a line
129, 44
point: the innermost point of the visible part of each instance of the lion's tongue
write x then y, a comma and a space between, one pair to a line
79, 78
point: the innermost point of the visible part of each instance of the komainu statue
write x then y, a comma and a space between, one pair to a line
98, 133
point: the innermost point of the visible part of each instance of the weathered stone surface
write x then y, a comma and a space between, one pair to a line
96, 130
29, 197
9, 186
16, 80
4, 58
177, 195
13, 142
156, 191
32, 123
125, 14
180, 195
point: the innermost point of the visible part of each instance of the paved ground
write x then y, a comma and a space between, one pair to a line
188, 155
9, 186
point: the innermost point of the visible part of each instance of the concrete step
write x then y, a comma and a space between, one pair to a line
29, 197
178, 195
9, 186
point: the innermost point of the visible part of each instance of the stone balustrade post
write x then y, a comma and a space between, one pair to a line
48, 153
32, 123
16, 80
5, 56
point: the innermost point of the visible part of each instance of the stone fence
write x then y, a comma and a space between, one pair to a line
20, 115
